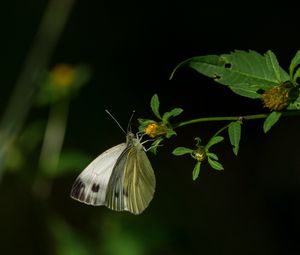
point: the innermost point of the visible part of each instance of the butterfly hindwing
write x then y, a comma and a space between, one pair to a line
91, 185
139, 181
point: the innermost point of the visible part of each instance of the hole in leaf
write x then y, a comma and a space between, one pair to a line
217, 77
260, 91
227, 65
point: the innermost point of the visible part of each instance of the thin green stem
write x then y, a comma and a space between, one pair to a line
232, 118
220, 130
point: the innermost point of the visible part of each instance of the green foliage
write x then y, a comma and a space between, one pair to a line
271, 120
196, 170
160, 129
173, 113
246, 73
155, 106
179, 151
214, 140
215, 164
234, 132
201, 153
294, 63
156, 144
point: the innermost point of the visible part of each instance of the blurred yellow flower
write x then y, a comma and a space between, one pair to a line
62, 75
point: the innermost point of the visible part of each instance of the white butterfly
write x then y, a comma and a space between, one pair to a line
120, 178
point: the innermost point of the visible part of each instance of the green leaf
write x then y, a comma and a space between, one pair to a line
234, 132
156, 144
181, 151
172, 113
215, 164
212, 155
170, 133
213, 141
272, 62
294, 63
155, 105
297, 75
144, 123
244, 72
295, 105
196, 170
271, 120
246, 91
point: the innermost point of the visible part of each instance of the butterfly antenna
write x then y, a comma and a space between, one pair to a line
129, 122
115, 120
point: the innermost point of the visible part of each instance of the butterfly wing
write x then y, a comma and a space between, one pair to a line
115, 189
91, 185
132, 183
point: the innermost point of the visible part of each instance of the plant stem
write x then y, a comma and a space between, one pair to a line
51, 148
50, 29
232, 118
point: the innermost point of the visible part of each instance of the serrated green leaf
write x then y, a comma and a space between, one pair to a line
271, 120
196, 170
212, 155
179, 151
155, 105
173, 113
294, 63
246, 91
272, 61
215, 164
234, 132
244, 72
213, 141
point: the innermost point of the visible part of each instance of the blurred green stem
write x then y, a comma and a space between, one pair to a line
51, 27
52, 146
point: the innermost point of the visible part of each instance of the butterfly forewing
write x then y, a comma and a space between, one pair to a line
115, 190
91, 185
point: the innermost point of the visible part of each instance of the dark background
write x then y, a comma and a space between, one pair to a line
132, 47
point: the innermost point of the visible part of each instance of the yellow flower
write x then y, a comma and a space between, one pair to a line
277, 98
155, 129
200, 154
62, 75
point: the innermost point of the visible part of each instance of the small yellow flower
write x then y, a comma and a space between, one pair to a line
199, 154
277, 98
62, 75
155, 129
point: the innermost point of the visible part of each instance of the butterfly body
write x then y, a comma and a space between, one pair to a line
120, 178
